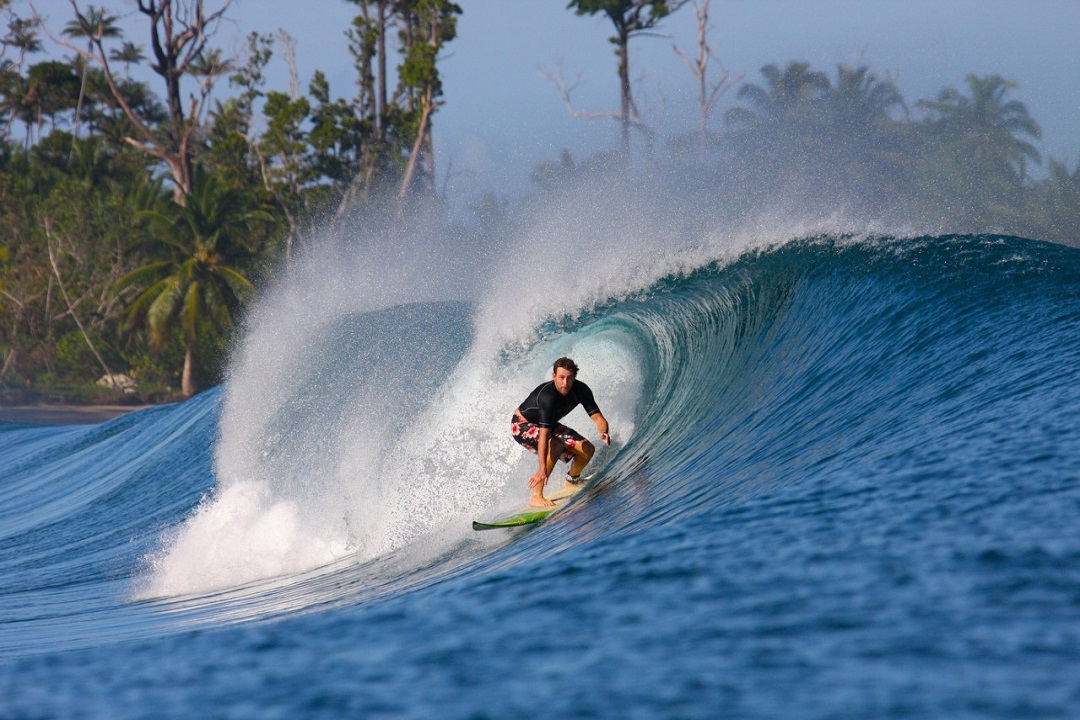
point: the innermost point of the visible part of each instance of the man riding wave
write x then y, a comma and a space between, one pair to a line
535, 425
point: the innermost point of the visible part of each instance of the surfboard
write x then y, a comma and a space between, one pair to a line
530, 515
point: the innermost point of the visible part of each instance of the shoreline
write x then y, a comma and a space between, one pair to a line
46, 414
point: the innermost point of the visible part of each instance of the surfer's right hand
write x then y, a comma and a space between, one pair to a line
539, 479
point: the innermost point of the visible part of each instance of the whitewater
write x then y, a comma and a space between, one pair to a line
844, 482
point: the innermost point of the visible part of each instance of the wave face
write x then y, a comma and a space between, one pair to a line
838, 462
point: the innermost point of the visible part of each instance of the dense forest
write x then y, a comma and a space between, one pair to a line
140, 216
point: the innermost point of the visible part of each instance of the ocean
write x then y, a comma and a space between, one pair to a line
844, 483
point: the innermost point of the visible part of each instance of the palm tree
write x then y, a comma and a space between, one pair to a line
95, 25
861, 138
210, 63
776, 134
198, 280
789, 93
128, 53
14, 96
986, 125
1056, 209
23, 36
859, 102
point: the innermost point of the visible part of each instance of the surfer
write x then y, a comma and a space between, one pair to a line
535, 425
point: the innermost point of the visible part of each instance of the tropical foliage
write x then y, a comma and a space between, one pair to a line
135, 226
964, 160
195, 278
157, 219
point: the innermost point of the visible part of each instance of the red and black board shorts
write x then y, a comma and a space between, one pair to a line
527, 435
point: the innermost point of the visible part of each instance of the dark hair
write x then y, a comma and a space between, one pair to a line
566, 364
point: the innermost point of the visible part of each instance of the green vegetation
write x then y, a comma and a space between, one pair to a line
133, 229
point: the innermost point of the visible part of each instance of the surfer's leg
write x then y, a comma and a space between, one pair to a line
577, 451
556, 448
583, 452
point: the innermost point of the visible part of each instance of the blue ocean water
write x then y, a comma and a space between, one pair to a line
845, 484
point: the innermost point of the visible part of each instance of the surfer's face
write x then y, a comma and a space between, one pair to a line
564, 380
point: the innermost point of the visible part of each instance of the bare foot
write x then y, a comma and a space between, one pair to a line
540, 501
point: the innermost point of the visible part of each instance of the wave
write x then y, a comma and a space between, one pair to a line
354, 441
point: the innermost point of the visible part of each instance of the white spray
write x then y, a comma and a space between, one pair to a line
316, 459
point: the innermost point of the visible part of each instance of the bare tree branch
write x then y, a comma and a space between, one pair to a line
178, 35
708, 93
71, 308
566, 90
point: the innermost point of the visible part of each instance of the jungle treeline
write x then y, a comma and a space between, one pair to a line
139, 216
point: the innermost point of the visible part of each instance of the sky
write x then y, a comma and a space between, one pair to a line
502, 116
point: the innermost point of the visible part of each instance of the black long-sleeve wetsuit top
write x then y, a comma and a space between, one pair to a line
546, 406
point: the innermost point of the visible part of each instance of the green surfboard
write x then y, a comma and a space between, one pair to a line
529, 515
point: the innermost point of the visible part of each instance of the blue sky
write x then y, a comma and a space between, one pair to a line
502, 117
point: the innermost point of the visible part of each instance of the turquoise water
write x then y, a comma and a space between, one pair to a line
860, 498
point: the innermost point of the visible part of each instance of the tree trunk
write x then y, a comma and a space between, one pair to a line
188, 385
414, 156
626, 101
9, 362
380, 100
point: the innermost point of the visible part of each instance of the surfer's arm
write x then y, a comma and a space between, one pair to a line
601, 425
542, 442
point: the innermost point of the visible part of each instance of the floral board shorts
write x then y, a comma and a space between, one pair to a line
528, 436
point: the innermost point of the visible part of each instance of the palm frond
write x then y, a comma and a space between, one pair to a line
163, 309
142, 274
189, 315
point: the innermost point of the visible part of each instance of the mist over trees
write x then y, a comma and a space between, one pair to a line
139, 217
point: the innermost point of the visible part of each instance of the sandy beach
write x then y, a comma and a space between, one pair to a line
63, 414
